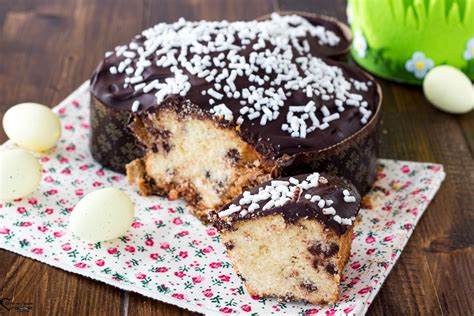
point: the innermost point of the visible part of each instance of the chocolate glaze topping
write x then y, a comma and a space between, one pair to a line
119, 83
329, 188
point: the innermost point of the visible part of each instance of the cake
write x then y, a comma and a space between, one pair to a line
291, 237
204, 110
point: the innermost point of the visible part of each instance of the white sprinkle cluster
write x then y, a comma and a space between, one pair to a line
279, 193
278, 64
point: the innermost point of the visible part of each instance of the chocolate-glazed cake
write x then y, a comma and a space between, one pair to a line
220, 107
291, 237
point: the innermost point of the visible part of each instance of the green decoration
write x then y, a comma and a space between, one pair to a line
402, 40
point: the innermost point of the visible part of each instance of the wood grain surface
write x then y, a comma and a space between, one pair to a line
48, 48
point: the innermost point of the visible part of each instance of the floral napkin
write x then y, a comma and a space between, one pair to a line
170, 256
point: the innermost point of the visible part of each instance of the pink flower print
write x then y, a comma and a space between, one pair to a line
354, 281
85, 125
179, 274
370, 239
178, 296
197, 279
155, 207
84, 167
415, 192
405, 169
162, 270
79, 192
355, 265
215, 265
70, 148
32, 201
365, 290
226, 310
177, 221
149, 242
63, 160
52, 192
211, 231
62, 111
137, 224
130, 249
255, 297
37, 251
76, 104
386, 208
246, 308
390, 223
183, 233
388, 238
406, 185
407, 226
370, 251
208, 293
21, 210
44, 159
97, 184
66, 171
224, 278
116, 178
100, 262
112, 250
4, 231
49, 211
164, 245
154, 256
349, 309
208, 249
100, 173
48, 179
68, 127
66, 247
435, 168
330, 312
80, 265
42, 228
140, 276
312, 311
25, 224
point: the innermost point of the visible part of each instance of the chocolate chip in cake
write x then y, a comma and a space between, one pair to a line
315, 249
208, 174
166, 146
233, 155
331, 269
332, 250
308, 286
154, 148
316, 263
229, 245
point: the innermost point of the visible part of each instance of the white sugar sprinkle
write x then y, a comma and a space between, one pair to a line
135, 105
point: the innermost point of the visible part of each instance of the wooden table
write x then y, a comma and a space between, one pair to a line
48, 48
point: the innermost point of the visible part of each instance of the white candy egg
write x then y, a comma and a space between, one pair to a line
32, 126
20, 174
102, 215
449, 89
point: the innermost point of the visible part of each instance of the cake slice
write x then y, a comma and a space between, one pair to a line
290, 238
